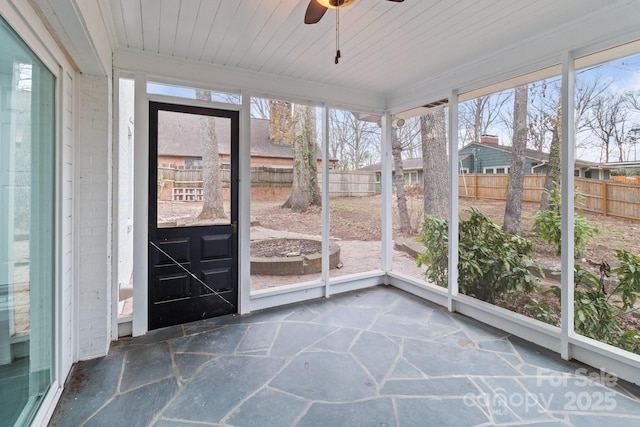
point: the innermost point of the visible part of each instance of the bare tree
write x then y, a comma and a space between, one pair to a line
513, 206
434, 163
586, 92
355, 143
479, 114
212, 201
633, 138
396, 150
608, 117
633, 98
305, 191
260, 108
409, 136
542, 108
553, 173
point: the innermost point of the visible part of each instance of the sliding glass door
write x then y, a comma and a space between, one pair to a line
27, 207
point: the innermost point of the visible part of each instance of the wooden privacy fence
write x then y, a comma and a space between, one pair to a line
350, 184
608, 198
184, 182
627, 179
489, 186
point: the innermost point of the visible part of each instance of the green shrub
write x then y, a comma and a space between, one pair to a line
492, 263
628, 275
598, 312
549, 227
541, 310
435, 238
594, 314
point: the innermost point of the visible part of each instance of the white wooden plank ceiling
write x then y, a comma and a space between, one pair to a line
385, 46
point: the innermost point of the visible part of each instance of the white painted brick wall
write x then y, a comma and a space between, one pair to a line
93, 215
67, 197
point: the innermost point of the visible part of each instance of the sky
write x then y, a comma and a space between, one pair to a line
620, 75
623, 75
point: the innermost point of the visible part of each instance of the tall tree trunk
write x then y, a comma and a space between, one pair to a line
435, 164
280, 122
396, 150
513, 206
305, 191
477, 123
552, 177
212, 201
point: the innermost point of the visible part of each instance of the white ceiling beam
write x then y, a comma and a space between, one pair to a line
235, 79
81, 28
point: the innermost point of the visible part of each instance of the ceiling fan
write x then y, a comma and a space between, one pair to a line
317, 9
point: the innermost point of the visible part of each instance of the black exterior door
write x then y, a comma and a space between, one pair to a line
193, 201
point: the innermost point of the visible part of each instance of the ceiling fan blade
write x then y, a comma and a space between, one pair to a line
315, 12
396, 1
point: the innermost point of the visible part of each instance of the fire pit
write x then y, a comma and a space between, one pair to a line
288, 257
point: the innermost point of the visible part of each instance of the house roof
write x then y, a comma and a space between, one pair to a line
620, 165
179, 135
407, 164
539, 156
528, 152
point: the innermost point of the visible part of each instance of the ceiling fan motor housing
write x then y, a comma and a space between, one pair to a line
335, 4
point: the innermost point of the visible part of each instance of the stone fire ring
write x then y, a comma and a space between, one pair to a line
294, 265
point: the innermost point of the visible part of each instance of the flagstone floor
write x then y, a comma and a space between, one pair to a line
376, 357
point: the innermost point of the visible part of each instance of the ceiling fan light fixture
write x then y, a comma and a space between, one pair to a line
335, 4
317, 8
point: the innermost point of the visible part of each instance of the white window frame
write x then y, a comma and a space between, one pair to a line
494, 169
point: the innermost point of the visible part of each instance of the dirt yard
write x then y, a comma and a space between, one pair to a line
358, 218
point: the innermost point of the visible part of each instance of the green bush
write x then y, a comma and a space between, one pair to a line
435, 238
598, 312
628, 275
493, 264
549, 227
541, 310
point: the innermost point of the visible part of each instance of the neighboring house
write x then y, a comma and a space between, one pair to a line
489, 157
179, 143
412, 169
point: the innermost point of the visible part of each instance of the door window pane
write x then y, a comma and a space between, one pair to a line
194, 169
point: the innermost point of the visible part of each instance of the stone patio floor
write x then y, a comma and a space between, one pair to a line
375, 357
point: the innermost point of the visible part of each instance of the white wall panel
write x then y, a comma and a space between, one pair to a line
93, 216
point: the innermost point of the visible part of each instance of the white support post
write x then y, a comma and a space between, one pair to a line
140, 206
567, 240
115, 206
453, 200
244, 206
325, 200
387, 194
